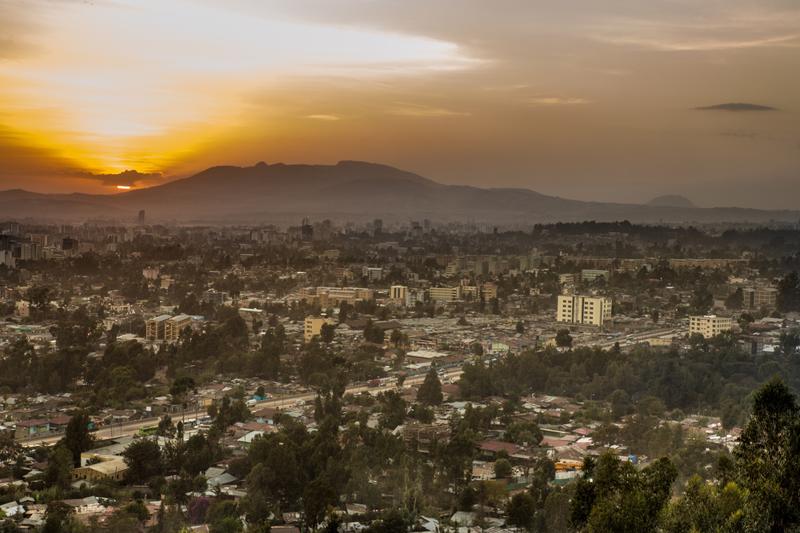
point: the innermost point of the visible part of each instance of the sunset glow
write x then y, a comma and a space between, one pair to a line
581, 100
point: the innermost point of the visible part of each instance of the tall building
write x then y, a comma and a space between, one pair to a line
174, 326
588, 310
709, 325
759, 297
140, 218
155, 328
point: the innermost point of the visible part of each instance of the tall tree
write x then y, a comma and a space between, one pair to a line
430, 392
77, 438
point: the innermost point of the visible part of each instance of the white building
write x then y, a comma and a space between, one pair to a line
589, 310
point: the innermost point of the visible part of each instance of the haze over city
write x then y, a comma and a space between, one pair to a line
603, 101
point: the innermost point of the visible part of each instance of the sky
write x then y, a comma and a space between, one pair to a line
619, 100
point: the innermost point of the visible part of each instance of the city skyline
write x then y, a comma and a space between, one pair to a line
619, 102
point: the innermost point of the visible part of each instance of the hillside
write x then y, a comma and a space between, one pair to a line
349, 190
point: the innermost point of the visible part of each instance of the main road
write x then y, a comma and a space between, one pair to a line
132, 428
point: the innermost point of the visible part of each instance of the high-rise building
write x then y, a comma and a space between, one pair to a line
140, 218
587, 310
709, 325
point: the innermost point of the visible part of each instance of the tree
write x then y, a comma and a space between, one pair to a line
502, 469
143, 458
525, 433
520, 327
789, 342
59, 467
521, 511
327, 333
768, 460
563, 338
430, 392
702, 300
789, 293
735, 300
77, 438
616, 497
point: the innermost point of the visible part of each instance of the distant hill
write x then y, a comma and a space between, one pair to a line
671, 200
348, 190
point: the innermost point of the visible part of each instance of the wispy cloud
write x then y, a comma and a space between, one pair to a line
556, 101
405, 109
700, 44
326, 117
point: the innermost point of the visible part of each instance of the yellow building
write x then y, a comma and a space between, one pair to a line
588, 310
709, 325
313, 326
445, 294
96, 467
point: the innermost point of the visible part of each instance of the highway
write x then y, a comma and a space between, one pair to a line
132, 428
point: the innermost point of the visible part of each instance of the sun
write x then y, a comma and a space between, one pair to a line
124, 187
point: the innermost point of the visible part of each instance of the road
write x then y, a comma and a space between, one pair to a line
132, 428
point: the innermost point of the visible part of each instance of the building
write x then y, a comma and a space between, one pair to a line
709, 325
97, 467
151, 273
588, 275
759, 297
312, 326
155, 328
588, 310
332, 296
399, 294
174, 326
372, 273
444, 294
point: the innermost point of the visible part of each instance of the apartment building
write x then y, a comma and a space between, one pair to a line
174, 326
759, 297
709, 325
587, 310
166, 328
444, 294
155, 328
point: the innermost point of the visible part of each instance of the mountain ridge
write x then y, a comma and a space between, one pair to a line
348, 190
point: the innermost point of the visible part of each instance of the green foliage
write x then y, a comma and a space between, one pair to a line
430, 392
527, 433
77, 438
144, 460
616, 497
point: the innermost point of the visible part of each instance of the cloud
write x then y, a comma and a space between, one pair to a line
405, 109
323, 116
736, 106
128, 178
556, 100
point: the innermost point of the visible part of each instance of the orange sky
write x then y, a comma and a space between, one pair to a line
586, 99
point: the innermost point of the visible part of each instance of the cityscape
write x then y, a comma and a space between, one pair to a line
399, 267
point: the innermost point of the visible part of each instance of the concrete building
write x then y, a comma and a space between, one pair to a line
588, 310
445, 294
759, 297
174, 326
589, 275
312, 326
709, 325
155, 327
372, 273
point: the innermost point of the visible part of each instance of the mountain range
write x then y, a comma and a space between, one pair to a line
348, 190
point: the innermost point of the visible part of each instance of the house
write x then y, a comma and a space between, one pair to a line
95, 467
